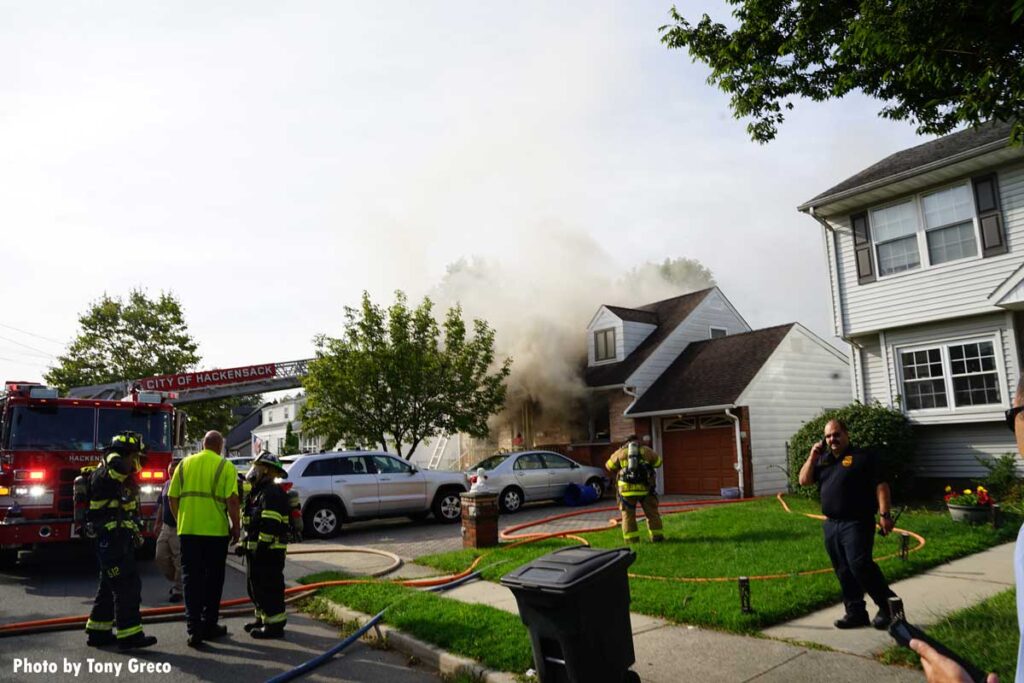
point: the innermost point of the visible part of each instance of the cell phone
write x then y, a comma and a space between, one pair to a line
904, 632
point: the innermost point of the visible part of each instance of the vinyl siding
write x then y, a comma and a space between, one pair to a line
950, 450
998, 325
715, 311
874, 370
800, 379
936, 293
632, 334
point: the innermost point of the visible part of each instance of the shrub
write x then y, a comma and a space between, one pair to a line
1002, 475
874, 427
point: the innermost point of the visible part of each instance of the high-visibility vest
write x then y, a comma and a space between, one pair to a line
203, 483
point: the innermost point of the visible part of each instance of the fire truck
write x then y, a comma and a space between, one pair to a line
45, 440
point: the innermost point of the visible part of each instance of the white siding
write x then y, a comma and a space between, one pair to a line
715, 311
950, 450
873, 366
632, 334
803, 377
931, 294
997, 324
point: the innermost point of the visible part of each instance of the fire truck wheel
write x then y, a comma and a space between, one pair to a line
8, 558
147, 551
323, 519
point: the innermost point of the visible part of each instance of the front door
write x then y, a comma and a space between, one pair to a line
402, 487
355, 482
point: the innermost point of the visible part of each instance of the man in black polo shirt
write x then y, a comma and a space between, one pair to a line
852, 491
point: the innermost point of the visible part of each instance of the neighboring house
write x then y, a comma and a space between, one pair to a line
926, 272
274, 426
238, 441
715, 398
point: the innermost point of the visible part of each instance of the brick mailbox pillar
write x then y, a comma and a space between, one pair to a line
479, 519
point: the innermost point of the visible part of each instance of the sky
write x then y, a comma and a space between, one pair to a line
268, 162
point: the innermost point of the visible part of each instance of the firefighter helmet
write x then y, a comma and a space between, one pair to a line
126, 442
271, 460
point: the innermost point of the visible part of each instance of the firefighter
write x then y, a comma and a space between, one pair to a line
266, 524
112, 519
635, 465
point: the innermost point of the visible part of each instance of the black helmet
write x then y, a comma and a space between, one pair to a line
126, 442
271, 460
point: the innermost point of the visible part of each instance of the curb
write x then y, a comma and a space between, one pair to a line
442, 661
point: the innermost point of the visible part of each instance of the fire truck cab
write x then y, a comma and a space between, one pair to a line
46, 440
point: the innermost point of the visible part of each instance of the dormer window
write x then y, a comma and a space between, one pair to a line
604, 345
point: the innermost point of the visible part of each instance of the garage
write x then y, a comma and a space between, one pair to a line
699, 454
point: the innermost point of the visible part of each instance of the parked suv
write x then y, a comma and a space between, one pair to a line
355, 485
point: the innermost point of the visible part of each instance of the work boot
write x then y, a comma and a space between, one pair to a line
194, 640
174, 597
852, 621
252, 625
100, 638
268, 631
214, 632
882, 619
136, 641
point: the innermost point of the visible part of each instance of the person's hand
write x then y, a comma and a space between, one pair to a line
886, 524
941, 669
234, 536
816, 450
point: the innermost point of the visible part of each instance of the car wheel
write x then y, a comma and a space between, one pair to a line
511, 499
447, 506
598, 486
323, 519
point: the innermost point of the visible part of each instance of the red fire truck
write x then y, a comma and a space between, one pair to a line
45, 440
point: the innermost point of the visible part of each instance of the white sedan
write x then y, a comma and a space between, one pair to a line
530, 476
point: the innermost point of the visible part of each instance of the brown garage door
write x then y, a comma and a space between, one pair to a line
699, 454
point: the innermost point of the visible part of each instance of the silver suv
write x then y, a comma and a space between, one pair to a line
354, 485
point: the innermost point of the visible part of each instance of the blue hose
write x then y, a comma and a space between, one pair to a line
320, 660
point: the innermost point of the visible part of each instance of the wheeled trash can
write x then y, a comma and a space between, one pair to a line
575, 603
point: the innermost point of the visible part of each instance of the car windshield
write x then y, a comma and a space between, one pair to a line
59, 428
492, 462
154, 426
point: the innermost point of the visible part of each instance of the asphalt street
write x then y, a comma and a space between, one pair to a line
61, 582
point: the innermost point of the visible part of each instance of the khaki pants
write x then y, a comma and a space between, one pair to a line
168, 556
649, 503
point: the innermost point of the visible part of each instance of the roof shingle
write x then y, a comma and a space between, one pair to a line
713, 372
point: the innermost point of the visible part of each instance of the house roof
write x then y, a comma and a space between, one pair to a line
713, 372
947, 148
635, 315
667, 315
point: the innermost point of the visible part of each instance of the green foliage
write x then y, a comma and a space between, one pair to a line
1002, 478
941, 63
121, 340
398, 377
985, 634
875, 427
291, 441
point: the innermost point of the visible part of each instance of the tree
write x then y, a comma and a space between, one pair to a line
392, 379
291, 440
123, 340
941, 63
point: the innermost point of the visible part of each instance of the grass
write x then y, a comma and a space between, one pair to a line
749, 539
985, 634
493, 637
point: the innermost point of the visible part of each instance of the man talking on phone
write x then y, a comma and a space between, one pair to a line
852, 490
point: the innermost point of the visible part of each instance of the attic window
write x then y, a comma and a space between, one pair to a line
714, 422
681, 424
604, 345
717, 332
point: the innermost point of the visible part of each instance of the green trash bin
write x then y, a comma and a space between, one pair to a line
575, 603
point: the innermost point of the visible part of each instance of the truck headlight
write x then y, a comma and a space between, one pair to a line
36, 492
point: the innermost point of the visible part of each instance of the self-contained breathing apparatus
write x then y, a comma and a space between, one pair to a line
637, 470
84, 492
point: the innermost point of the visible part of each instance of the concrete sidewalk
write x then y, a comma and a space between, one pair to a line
668, 653
926, 597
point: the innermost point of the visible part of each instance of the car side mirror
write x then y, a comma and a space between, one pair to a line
575, 466
413, 470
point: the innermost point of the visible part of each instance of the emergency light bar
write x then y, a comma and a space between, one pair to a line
152, 474
29, 475
150, 397
42, 392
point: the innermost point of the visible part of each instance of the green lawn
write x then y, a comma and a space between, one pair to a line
750, 539
985, 634
493, 637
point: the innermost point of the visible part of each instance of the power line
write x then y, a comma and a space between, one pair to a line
32, 334
30, 354
33, 348
21, 362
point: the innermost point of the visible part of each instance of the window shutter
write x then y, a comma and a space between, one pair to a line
862, 248
986, 201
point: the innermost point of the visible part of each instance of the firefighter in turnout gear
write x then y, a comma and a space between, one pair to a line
265, 521
635, 465
112, 520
